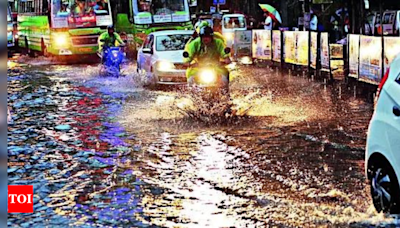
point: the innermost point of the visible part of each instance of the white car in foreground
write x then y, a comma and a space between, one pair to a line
161, 57
383, 144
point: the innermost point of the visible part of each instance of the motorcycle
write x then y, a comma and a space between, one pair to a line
113, 57
210, 79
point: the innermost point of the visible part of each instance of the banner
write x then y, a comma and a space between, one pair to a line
354, 50
314, 43
242, 43
370, 59
302, 48
276, 46
392, 49
261, 45
290, 46
325, 51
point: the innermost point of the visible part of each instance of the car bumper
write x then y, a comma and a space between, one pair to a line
171, 77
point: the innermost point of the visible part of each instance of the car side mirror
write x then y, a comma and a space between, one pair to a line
147, 51
227, 50
185, 54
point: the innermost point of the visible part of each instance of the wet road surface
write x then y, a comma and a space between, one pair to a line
108, 152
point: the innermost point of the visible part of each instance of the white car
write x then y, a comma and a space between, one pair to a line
383, 144
161, 56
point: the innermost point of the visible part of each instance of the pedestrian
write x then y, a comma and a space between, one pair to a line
313, 22
268, 24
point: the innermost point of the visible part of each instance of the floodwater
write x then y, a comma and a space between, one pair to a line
108, 152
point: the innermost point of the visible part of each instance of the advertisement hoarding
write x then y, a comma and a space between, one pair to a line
325, 51
354, 51
314, 43
276, 46
242, 43
261, 45
370, 59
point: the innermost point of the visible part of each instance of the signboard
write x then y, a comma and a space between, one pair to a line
213, 9
276, 45
336, 51
370, 59
192, 3
261, 45
314, 43
354, 51
143, 18
290, 47
162, 18
219, 2
242, 43
325, 51
392, 49
302, 48
104, 20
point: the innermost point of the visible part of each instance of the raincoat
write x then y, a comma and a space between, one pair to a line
110, 41
202, 54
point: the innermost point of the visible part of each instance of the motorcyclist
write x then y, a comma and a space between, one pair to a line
201, 24
109, 39
204, 49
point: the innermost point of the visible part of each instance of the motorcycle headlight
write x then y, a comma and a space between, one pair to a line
165, 66
207, 76
115, 54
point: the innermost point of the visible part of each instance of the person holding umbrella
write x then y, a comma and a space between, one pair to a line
269, 23
272, 16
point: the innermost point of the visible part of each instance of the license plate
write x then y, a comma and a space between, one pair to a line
85, 49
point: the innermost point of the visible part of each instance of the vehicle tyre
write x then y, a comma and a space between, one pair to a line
384, 185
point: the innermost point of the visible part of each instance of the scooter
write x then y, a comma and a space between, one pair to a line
113, 60
209, 80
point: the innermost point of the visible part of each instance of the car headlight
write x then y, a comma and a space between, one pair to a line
246, 60
61, 40
229, 36
207, 76
165, 66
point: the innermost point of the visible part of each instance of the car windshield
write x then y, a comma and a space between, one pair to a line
172, 42
234, 22
79, 13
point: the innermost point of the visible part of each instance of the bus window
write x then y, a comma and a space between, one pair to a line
80, 13
144, 6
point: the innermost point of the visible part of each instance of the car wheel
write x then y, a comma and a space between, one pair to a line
385, 190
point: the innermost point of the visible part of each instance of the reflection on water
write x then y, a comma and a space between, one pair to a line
106, 152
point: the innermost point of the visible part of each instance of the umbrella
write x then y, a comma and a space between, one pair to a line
273, 12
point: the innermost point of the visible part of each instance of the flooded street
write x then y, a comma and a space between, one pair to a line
106, 152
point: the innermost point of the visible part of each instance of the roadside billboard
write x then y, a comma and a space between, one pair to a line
392, 49
276, 46
302, 48
354, 51
242, 43
314, 43
370, 59
290, 46
261, 45
325, 51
